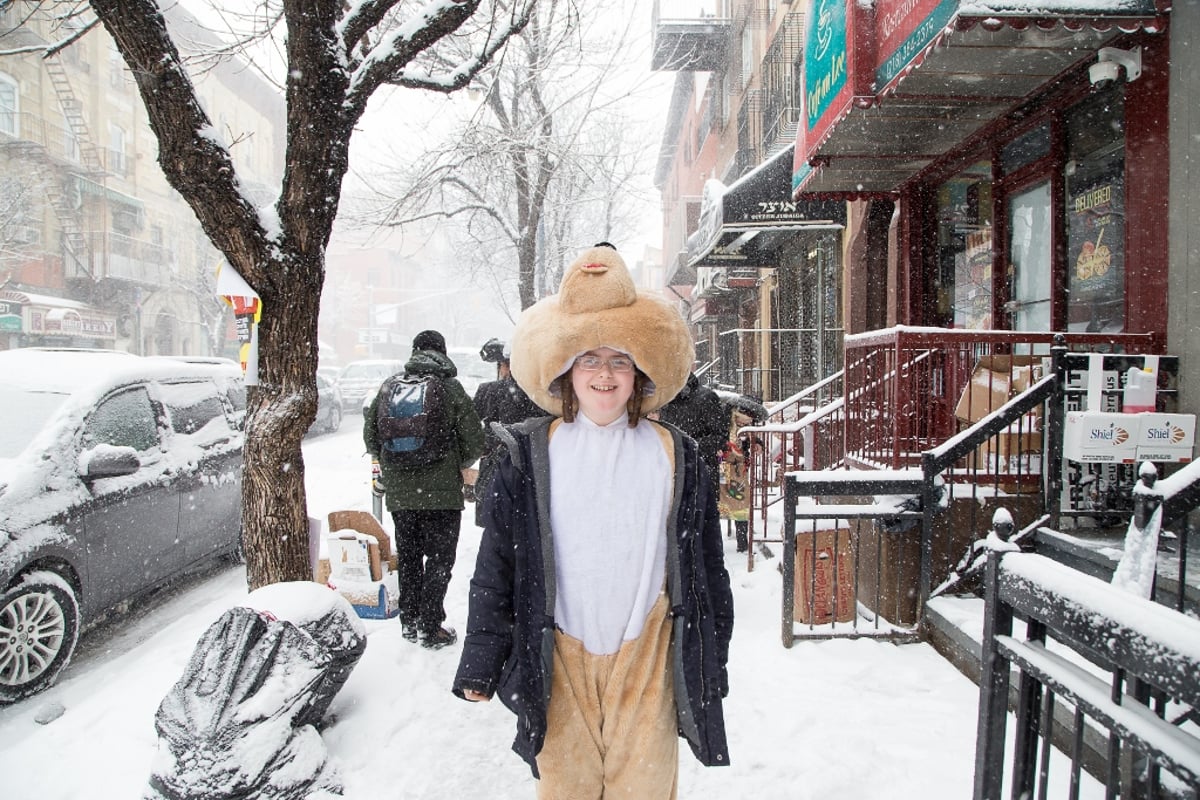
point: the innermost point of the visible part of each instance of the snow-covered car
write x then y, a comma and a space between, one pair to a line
329, 406
118, 473
472, 369
360, 380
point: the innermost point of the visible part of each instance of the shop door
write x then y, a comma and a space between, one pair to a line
1030, 257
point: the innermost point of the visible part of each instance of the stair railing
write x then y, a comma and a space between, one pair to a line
1178, 496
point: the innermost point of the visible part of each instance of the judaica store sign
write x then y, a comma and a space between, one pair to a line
767, 213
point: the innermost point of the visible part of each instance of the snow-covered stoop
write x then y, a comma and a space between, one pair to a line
1145, 562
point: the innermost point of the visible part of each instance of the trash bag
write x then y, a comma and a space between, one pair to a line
241, 721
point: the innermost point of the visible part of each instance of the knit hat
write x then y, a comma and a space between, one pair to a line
430, 340
596, 306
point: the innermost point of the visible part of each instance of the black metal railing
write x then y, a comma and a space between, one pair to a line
951, 496
1167, 510
1093, 656
848, 567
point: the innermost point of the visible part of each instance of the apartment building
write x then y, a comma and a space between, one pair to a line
761, 271
96, 249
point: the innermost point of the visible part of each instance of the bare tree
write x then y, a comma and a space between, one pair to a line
546, 149
19, 197
338, 55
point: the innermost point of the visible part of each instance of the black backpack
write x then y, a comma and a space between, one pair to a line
413, 420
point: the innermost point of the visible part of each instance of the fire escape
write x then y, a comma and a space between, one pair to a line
76, 152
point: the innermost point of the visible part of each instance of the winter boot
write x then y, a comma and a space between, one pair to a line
442, 637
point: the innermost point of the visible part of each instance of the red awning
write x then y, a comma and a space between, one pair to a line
925, 75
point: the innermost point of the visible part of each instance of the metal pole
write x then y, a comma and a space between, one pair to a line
1055, 423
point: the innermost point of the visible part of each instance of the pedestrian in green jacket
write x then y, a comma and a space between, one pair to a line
426, 502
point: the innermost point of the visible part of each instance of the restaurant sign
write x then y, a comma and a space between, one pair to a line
903, 29
10, 317
83, 323
826, 66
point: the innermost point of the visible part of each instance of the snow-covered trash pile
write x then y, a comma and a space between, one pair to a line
243, 719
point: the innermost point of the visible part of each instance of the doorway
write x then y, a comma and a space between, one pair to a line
1030, 257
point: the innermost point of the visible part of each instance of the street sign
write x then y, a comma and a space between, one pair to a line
372, 335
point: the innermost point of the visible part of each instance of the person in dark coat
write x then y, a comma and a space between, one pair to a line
426, 502
697, 411
600, 608
500, 401
738, 410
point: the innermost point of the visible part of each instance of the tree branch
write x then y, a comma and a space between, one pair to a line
188, 143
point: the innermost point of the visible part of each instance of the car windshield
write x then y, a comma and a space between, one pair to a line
25, 413
367, 372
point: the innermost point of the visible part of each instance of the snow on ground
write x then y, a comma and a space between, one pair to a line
834, 719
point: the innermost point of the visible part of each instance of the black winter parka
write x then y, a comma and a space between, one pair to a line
509, 647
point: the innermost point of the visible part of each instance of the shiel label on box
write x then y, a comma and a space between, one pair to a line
1101, 437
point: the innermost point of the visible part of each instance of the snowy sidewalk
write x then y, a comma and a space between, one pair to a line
833, 719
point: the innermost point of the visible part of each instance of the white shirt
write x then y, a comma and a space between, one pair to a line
610, 493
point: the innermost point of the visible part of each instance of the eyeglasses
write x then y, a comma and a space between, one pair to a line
590, 363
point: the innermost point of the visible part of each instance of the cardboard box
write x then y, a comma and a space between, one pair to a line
1000, 455
354, 558
1165, 437
364, 522
376, 600
824, 583
994, 381
1101, 437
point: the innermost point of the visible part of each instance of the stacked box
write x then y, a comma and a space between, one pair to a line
357, 569
1166, 437
824, 583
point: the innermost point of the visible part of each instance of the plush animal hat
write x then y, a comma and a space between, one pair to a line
597, 305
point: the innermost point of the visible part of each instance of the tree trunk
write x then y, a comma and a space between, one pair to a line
287, 270
278, 413
285, 265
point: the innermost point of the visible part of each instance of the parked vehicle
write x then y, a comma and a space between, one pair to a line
329, 406
472, 369
360, 380
117, 474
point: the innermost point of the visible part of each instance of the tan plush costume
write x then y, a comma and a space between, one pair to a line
611, 721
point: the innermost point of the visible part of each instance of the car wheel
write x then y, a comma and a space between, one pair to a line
39, 625
335, 419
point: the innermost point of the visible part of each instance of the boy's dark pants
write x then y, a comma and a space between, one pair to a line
426, 546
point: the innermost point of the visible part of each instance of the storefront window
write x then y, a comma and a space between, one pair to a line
1025, 149
964, 213
1095, 212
